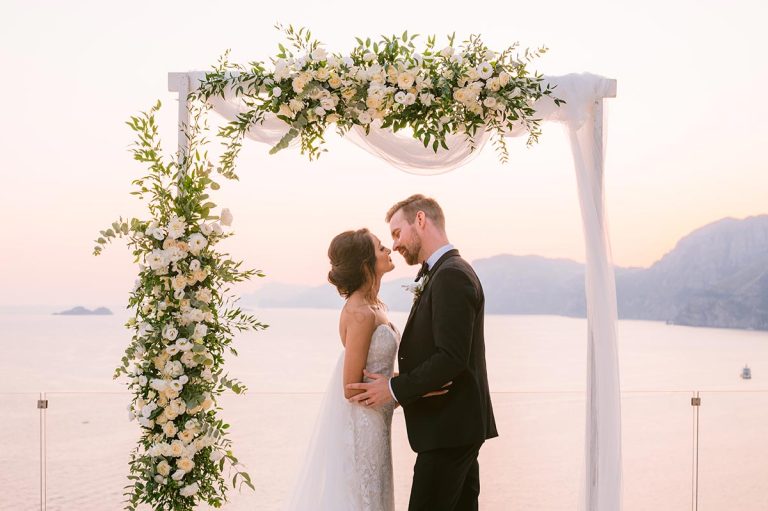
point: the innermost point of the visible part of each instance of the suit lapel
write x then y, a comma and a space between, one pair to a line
451, 253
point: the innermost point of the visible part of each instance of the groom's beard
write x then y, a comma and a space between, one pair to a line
411, 254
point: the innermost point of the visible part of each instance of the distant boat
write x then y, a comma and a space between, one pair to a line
746, 373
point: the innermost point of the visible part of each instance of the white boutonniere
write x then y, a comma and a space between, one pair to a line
417, 287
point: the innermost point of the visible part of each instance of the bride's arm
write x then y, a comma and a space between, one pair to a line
357, 339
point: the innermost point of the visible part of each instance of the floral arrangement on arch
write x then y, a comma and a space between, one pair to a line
387, 83
183, 322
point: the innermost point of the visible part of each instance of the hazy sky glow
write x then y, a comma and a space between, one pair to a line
686, 134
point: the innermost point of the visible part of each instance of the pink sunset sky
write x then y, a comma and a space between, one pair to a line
686, 146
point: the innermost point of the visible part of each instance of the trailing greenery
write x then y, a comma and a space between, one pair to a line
184, 320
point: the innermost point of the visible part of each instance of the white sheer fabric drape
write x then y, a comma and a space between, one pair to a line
582, 117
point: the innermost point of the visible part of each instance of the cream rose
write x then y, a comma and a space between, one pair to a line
185, 464
163, 468
177, 448
405, 79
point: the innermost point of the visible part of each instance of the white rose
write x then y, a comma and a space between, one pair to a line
447, 51
400, 97
281, 70
188, 359
157, 259
172, 349
490, 102
226, 217
216, 226
322, 74
176, 227
410, 99
197, 242
458, 59
201, 330
189, 490
205, 228
364, 118
183, 344
426, 98
319, 54
204, 295
503, 78
159, 385
147, 423
328, 103
178, 475
170, 332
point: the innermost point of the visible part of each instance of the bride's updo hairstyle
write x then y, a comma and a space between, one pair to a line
353, 261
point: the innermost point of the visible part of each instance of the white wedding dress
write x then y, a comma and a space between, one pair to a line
349, 460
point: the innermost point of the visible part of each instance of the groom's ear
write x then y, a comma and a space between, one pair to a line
421, 219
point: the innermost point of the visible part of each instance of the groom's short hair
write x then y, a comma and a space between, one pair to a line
416, 203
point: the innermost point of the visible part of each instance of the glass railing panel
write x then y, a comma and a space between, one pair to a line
657, 443
89, 442
19, 452
733, 451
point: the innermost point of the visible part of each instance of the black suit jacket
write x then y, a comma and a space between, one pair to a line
443, 341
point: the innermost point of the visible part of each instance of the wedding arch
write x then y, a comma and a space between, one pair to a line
424, 113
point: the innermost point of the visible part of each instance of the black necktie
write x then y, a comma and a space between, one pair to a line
422, 272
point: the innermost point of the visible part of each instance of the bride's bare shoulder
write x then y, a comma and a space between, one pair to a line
357, 315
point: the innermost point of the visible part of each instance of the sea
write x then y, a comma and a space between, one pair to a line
73, 455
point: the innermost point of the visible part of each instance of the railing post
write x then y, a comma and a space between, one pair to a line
696, 404
42, 405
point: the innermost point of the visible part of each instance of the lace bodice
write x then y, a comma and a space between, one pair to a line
372, 429
382, 351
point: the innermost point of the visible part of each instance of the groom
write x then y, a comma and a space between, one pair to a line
442, 343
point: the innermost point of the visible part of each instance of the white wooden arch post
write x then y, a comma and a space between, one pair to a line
602, 478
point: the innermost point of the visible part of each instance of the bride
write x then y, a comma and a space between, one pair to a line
349, 460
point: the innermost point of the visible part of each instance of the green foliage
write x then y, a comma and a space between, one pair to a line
184, 321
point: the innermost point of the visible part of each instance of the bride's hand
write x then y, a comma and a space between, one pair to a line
439, 392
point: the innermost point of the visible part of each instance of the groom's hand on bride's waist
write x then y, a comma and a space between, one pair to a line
377, 393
